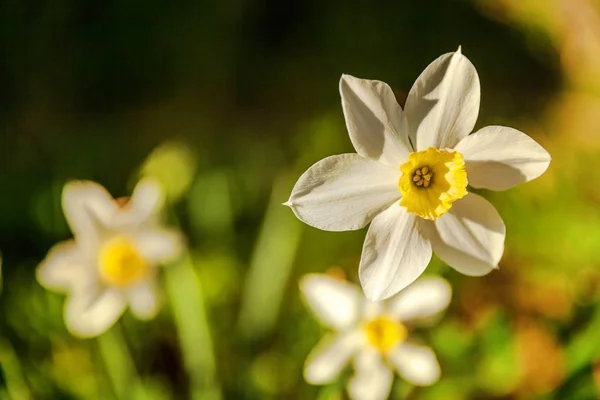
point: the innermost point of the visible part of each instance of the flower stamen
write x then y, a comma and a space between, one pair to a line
431, 181
422, 177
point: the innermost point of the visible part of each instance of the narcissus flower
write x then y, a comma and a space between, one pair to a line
375, 336
112, 260
410, 177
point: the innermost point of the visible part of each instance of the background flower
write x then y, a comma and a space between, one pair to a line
112, 260
375, 336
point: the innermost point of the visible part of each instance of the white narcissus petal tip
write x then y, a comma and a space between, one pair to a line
86, 205
443, 104
498, 158
372, 379
375, 121
343, 192
395, 253
330, 356
416, 364
336, 303
426, 297
143, 299
470, 237
92, 311
159, 245
62, 267
147, 197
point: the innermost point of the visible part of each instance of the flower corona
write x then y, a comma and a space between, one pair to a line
431, 181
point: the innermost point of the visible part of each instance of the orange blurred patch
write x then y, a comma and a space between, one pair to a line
596, 374
478, 299
549, 299
575, 118
540, 357
122, 202
580, 42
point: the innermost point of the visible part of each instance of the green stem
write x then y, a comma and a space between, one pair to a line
119, 364
187, 303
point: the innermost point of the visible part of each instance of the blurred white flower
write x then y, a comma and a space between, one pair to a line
410, 177
111, 261
372, 335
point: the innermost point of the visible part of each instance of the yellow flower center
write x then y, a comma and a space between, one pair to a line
384, 333
422, 177
431, 181
120, 263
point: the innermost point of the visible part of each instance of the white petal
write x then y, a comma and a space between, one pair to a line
372, 379
87, 207
143, 299
62, 268
344, 192
147, 198
141, 208
416, 364
469, 237
375, 121
158, 245
394, 254
93, 311
425, 297
499, 158
327, 359
443, 104
335, 302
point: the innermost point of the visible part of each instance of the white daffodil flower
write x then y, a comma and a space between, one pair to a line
373, 335
409, 178
111, 261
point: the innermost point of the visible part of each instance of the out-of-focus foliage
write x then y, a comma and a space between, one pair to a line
227, 103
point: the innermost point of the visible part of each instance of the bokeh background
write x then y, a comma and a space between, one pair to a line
227, 103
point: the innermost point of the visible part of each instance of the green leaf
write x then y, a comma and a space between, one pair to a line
584, 347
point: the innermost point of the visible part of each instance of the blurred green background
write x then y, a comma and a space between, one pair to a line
227, 103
